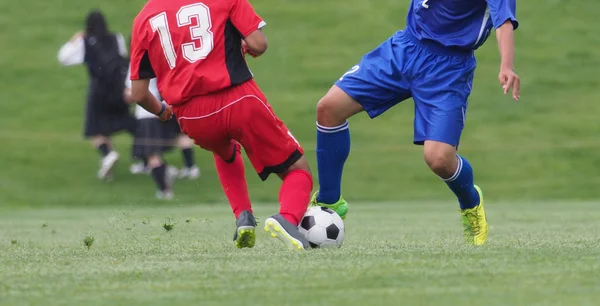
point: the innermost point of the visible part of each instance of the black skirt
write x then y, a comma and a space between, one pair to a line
152, 137
102, 123
105, 118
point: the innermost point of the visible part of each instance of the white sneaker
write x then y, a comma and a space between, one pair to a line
172, 173
139, 168
107, 164
190, 173
165, 195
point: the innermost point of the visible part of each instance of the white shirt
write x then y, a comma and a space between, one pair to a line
73, 52
140, 112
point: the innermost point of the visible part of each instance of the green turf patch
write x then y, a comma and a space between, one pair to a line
410, 253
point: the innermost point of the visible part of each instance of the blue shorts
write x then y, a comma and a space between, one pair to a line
439, 80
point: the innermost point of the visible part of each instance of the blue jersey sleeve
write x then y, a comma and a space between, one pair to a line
502, 11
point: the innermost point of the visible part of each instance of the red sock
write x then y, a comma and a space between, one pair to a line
294, 195
234, 184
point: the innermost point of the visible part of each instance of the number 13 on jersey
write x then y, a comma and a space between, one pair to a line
200, 33
425, 4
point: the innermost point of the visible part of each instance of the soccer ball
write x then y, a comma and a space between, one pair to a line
322, 227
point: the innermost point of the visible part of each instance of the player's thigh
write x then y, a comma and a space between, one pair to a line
377, 83
441, 102
210, 133
335, 107
269, 144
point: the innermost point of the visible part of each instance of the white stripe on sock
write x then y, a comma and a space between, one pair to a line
335, 129
458, 170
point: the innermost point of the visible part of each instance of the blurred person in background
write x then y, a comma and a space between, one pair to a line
104, 54
154, 137
189, 170
168, 131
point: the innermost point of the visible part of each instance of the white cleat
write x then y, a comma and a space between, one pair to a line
172, 173
138, 168
189, 173
165, 195
108, 162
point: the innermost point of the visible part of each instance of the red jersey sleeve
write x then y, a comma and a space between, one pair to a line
139, 61
244, 18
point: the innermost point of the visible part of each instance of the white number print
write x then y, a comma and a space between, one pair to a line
352, 70
200, 33
159, 23
424, 4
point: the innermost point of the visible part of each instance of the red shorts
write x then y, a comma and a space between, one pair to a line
240, 114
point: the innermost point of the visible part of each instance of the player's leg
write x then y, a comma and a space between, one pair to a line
185, 145
210, 133
230, 167
140, 162
190, 169
333, 147
375, 84
440, 110
102, 144
294, 196
158, 168
231, 170
272, 149
109, 157
95, 130
140, 166
148, 145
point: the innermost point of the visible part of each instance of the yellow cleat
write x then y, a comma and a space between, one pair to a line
287, 232
244, 236
475, 223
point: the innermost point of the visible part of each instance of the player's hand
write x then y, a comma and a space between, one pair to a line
167, 114
246, 49
510, 81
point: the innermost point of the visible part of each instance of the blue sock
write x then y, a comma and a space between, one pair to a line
333, 147
461, 183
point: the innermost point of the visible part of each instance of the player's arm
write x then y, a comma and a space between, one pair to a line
140, 74
256, 43
506, 45
505, 22
245, 19
140, 94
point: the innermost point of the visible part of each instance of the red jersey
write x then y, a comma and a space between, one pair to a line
192, 48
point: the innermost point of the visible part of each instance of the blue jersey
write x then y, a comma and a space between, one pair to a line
462, 24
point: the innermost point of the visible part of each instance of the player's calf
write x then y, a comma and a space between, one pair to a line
161, 176
458, 175
333, 146
454, 170
294, 194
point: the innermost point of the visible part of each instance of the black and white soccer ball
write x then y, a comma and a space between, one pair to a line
322, 227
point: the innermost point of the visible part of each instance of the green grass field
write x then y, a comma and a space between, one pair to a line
543, 253
537, 161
